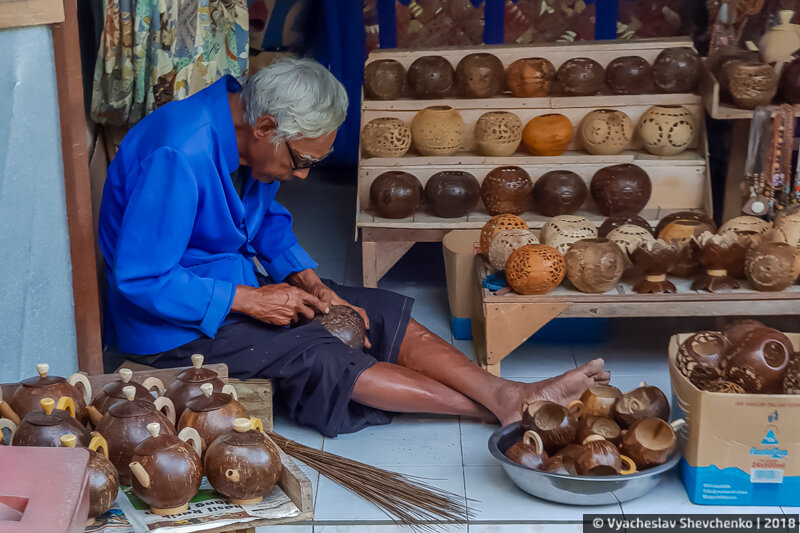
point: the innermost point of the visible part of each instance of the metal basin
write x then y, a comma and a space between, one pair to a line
574, 490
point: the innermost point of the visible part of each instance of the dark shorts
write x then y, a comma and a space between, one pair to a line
313, 372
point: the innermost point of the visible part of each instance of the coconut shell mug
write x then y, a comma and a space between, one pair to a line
599, 400
643, 402
242, 463
27, 396
167, 470
601, 458
555, 424
651, 441
599, 425
187, 384
529, 452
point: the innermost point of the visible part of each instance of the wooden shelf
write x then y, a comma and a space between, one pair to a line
720, 109
501, 323
511, 103
477, 219
679, 183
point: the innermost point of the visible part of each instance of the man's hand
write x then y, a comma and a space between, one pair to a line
279, 304
310, 282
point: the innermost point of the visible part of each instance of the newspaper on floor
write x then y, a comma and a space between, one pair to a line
207, 510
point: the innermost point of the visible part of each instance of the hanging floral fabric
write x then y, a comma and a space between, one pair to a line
156, 51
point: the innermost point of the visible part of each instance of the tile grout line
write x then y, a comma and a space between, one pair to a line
463, 472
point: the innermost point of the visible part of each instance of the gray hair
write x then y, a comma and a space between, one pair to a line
303, 96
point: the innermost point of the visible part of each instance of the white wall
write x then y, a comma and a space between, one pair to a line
37, 316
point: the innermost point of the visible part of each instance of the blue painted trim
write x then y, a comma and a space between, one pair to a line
387, 20
606, 15
461, 328
494, 20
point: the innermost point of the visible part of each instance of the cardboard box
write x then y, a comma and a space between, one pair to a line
738, 449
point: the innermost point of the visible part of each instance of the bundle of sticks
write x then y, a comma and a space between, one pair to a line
405, 499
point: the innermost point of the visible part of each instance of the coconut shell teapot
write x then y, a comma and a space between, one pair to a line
112, 392
103, 480
125, 425
27, 395
167, 470
187, 384
243, 463
211, 414
46, 426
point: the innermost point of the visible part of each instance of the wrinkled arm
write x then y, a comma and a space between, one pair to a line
153, 237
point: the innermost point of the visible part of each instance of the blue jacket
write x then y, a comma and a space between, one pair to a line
175, 235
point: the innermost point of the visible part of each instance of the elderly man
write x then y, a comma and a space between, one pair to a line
189, 205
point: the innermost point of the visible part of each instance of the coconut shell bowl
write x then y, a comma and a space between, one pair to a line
715, 253
654, 259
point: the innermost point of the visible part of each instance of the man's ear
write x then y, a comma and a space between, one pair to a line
265, 126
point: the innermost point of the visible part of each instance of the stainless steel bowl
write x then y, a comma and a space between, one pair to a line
574, 490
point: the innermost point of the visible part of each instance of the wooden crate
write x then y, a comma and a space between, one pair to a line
679, 182
501, 323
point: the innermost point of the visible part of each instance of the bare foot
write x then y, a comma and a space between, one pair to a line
561, 389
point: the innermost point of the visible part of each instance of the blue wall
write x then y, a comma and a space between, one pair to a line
37, 317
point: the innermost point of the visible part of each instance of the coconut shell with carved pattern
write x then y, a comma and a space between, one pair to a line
535, 269
431, 77
667, 130
479, 75
699, 356
507, 190
605, 131
613, 222
772, 266
384, 79
437, 131
506, 242
559, 192
530, 77
580, 76
497, 224
562, 231
620, 189
594, 265
452, 193
498, 133
395, 194
629, 75
677, 70
386, 137
758, 363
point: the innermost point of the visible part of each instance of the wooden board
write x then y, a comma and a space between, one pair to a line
17, 13
601, 51
501, 323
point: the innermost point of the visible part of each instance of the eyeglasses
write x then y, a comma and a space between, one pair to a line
300, 162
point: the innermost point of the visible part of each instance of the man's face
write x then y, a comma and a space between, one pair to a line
269, 162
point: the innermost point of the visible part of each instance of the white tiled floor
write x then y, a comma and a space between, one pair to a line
453, 453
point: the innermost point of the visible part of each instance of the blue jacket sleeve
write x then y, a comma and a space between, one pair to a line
277, 247
153, 236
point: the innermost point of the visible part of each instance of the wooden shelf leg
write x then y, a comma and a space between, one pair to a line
507, 326
377, 258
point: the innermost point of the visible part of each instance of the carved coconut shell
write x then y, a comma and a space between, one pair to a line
344, 323
613, 222
643, 402
699, 356
736, 331
791, 380
725, 386
758, 363
507, 190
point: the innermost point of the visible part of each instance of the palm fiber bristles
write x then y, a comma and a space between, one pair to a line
407, 500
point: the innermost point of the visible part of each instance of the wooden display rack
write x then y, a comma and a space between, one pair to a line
501, 323
679, 183
719, 109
